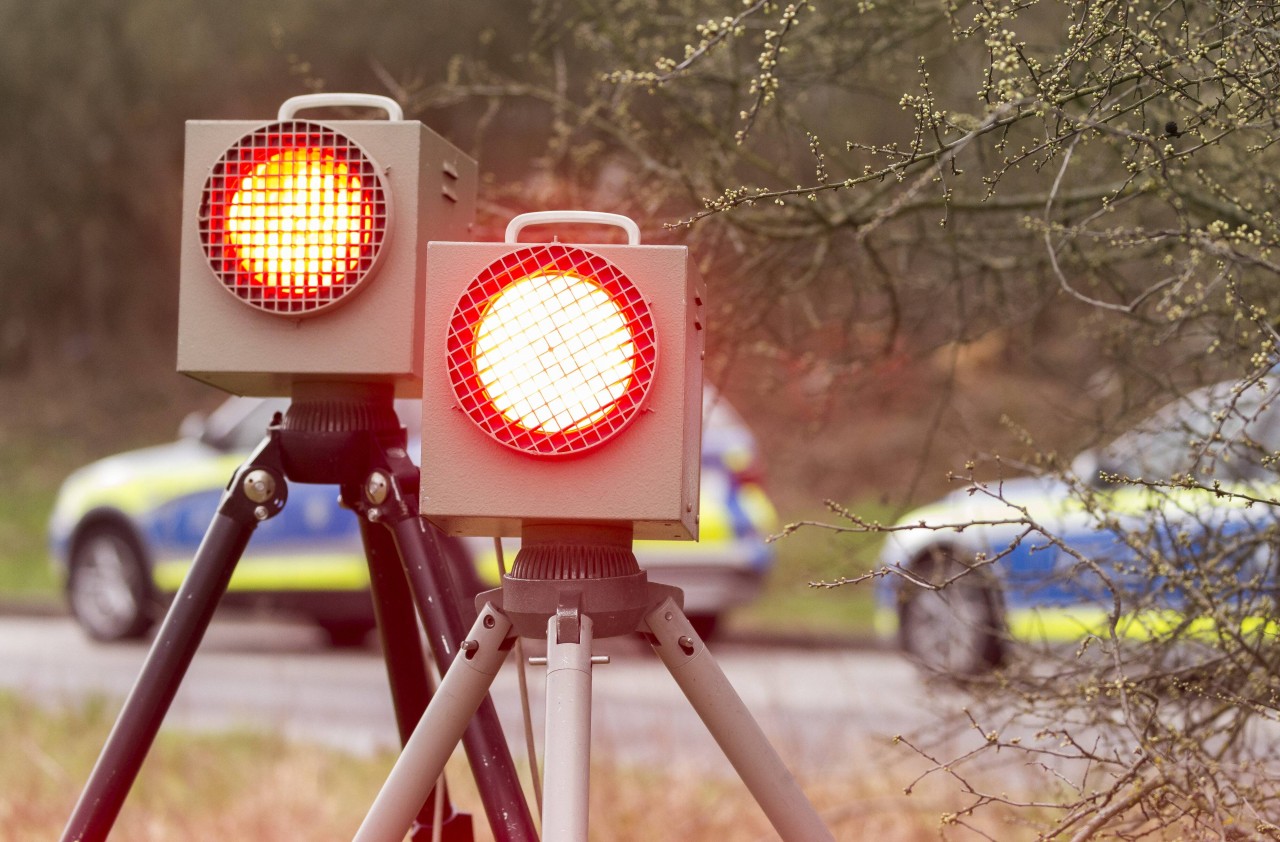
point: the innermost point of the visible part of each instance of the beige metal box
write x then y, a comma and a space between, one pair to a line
646, 475
373, 336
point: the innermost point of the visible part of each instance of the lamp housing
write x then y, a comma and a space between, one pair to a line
562, 383
303, 246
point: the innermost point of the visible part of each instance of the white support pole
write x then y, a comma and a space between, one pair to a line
567, 766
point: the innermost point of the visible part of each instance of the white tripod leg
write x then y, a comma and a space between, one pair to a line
567, 766
463, 688
732, 726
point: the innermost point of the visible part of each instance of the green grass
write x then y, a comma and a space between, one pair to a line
58, 416
791, 604
32, 470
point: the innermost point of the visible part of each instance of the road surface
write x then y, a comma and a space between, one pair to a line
821, 707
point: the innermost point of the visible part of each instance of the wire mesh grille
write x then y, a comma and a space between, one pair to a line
551, 350
293, 217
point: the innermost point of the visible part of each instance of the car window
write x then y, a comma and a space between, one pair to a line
1266, 428
1212, 433
410, 412
240, 423
717, 413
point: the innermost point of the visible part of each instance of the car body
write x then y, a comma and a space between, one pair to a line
1128, 553
124, 530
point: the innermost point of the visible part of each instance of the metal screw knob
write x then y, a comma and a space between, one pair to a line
377, 487
259, 486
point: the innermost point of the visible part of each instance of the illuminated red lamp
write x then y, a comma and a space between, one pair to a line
551, 350
303, 245
293, 218
545, 399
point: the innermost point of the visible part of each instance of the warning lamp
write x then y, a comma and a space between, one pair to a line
293, 221
303, 245
561, 382
551, 350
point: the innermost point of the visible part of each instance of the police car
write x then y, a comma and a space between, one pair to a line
1005, 584
124, 531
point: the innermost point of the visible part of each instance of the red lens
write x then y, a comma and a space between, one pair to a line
293, 218
551, 350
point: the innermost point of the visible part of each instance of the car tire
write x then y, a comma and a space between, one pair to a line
956, 629
346, 634
109, 588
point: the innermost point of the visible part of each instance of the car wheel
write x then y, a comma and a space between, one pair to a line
955, 629
108, 588
346, 634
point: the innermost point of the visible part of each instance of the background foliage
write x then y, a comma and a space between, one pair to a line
825, 321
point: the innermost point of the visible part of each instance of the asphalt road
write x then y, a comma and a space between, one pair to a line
822, 707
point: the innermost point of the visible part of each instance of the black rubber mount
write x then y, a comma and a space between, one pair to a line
593, 563
326, 434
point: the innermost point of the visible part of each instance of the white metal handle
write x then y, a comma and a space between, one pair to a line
294, 104
626, 223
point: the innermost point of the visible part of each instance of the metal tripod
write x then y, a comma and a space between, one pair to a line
572, 584
344, 434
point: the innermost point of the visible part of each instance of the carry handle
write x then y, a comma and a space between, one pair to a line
294, 104
626, 223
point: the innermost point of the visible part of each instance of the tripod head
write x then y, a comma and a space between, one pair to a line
333, 428
566, 569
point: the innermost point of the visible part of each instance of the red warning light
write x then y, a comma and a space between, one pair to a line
551, 350
293, 218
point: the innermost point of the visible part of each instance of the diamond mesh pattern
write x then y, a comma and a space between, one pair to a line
293, 217
551, 350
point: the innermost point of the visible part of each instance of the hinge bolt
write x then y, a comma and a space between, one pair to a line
259, 486
377, 488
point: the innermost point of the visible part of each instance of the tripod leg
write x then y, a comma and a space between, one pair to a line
388, 495
567, 767
426, 566
732, 726
406, 667
175, 644
465, 685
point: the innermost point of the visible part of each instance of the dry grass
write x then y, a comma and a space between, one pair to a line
246, 786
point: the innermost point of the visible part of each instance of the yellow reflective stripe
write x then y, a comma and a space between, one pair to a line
885, 622
1074, 622
1071, 624
759, 508
137, 495
289, 573
1056, 624
486, 565
713, 526
1137, 501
